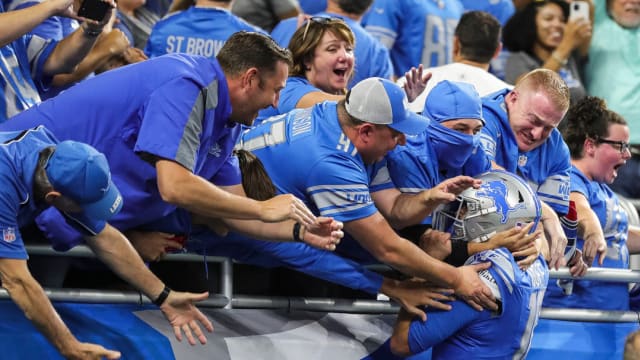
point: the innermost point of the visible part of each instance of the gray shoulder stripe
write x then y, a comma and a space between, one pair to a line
190, 142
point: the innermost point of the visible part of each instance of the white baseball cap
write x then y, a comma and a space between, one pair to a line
380, 101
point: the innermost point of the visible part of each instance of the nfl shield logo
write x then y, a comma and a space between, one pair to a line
9, 234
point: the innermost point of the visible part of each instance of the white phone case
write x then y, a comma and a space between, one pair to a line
578, 9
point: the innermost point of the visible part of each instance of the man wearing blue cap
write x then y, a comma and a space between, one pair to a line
37, 172
331, 156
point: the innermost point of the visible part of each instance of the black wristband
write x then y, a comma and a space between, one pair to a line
459, 253
296, 232
163, 296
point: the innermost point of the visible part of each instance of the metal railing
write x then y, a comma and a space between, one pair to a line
227, 298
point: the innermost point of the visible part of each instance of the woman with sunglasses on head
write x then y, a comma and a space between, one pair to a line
541, 36
323, 64
598, 140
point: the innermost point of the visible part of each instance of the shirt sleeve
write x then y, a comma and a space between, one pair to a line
172, 123
555, 189
340, 189
38, 51
441, 325
229, 173
488, 136
518, 63
11, 243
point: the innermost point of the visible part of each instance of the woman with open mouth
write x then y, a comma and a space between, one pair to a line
323, 64
598, 140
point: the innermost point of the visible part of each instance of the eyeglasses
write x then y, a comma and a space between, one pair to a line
619, 145
322, 20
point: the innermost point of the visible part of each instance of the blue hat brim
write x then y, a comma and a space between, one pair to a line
412, 124
105, 208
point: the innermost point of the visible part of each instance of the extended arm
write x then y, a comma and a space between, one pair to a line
115, 250
182, 188
32, 300
14, 24
589, 230
70, 51
633, 240
107, 45
404, 209
375, 235
410, 336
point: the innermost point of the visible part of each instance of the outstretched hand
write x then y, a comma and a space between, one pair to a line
185, 317
413, 294
577, 266
472, 290
416, 82
324, 234
447, 190
522, 244
84, 351
284, 207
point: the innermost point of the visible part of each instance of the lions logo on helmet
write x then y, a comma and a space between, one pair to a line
503, 201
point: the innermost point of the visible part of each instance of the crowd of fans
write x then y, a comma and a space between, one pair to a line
321, 136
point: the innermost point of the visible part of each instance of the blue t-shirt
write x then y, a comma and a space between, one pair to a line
195, 31
613, 219
21, 73
546, 168
172, 107
371, 57
415, 31
465, 333
306, 154
295, 88
19, 152
312, 6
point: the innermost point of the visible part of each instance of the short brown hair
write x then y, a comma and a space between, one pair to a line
245, 50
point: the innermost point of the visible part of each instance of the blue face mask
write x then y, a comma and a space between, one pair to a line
452, 147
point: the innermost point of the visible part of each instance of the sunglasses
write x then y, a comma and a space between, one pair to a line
618, 145
322, 20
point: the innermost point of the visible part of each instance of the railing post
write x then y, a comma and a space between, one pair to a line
226, 281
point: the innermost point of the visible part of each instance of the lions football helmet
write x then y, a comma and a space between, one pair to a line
503, 201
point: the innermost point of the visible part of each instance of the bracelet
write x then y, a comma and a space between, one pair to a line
87, 31
296, 232
558, 59
162, 297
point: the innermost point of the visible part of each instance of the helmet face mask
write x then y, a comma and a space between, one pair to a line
502, 202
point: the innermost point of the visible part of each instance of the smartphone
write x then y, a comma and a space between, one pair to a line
93, 9
578, 9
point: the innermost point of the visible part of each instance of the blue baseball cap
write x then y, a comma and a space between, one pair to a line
452, 100
380, 101
80, 172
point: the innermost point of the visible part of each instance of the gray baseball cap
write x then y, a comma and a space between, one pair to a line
380, 101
